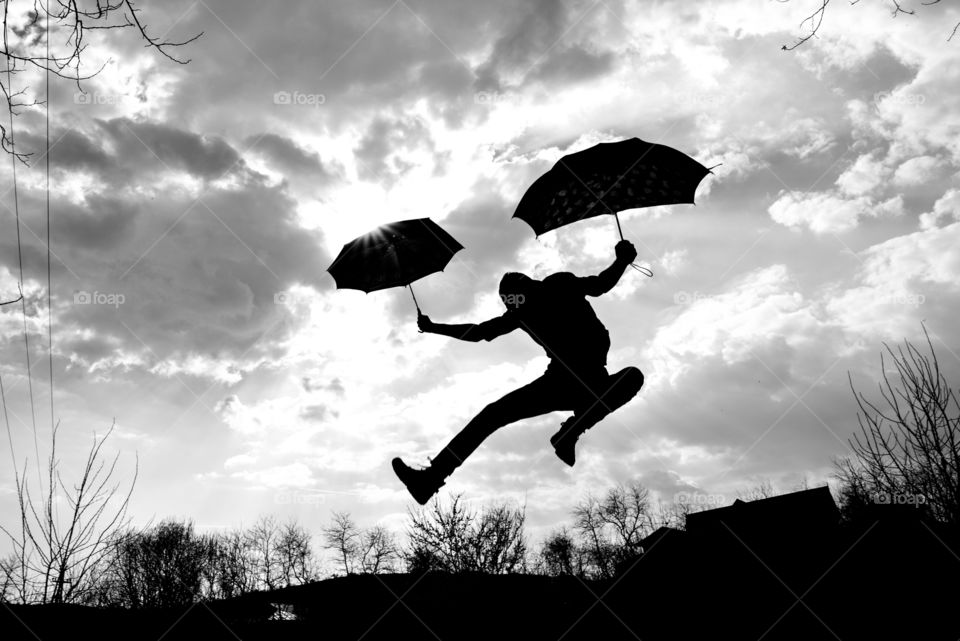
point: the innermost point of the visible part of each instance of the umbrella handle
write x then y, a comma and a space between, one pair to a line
414, 299
419, 313
642, 270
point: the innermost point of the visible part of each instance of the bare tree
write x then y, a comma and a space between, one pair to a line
612, 527
234, 570
812, 23
908, 445
380, 550
263, 544
8, 577
344, 538
56, 550
372, 550
561, 555
454, 538
295, 555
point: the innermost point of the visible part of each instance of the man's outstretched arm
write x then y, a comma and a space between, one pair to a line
473, 332
605, 280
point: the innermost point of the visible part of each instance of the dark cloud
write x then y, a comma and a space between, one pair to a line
524, 44
544, 46
179, 273
310, 384
218, 269
88, 350
574, 64
317, 413
880, 71
121, 149
158, 146
100, 224
71, 149
288, 156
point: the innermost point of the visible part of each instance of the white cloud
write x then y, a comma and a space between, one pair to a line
918, 170
863, 176
765, 305
239, 461
946, 208
901, 281
674, 261
924, 112
820, 212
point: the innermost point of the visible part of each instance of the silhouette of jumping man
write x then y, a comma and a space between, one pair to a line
557, 316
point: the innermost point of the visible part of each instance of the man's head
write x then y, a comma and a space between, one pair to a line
515, 288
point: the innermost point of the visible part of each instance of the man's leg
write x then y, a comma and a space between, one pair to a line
604, 396
538, 397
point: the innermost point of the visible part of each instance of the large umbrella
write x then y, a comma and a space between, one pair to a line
394, 255
608, 178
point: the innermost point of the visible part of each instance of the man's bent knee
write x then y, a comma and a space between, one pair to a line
632, 377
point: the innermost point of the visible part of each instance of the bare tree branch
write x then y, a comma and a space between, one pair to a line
814, 21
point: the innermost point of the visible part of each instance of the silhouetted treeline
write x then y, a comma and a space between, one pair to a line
170, 564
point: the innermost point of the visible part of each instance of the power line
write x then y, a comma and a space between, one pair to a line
49, 278
16, 209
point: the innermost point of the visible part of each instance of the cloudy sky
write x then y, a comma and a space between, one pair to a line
196, 208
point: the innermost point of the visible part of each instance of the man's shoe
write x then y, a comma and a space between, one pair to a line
422, 484
565, 442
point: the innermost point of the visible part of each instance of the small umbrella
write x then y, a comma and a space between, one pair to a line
394, 255
608, 178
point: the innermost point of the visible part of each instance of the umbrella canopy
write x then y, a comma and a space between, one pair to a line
608, 178
393, 255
